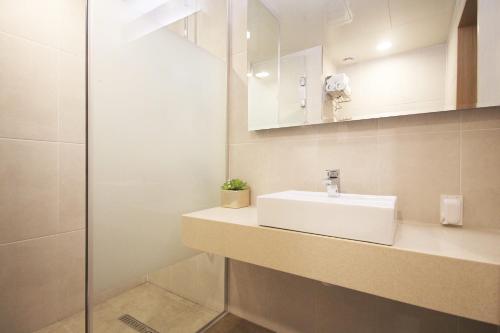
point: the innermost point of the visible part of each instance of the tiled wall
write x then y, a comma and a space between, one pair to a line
42, 162
288, 303
416, 158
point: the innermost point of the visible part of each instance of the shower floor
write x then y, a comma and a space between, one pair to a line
150, 304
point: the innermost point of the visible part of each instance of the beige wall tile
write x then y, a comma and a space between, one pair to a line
291, 303
481, 118
45, 281
31, 19
420, 123
71, 98
238, 101
249, 290
238, 26
344, 310
348, 129
276, 166
72, 26
287, 303
42, 279
71, 187
28, 189
212, 27
395, 317
28, 98
31, 285
472, 326
71, 273
480, 178
418, 168
239, 67
355, 157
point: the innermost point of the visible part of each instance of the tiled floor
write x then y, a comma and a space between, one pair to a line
148, 303
232, 324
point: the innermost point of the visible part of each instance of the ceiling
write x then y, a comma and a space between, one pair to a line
353, 28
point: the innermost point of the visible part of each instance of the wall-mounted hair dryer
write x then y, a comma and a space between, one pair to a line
337, 86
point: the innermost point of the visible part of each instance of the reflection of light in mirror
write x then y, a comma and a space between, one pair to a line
384, 45
262, 75
249, 74
249, 35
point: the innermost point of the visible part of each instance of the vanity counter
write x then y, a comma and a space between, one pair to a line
453, 270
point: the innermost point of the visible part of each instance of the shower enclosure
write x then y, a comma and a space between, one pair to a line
156, 149
112, 125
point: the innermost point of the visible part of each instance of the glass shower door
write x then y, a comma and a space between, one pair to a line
157, 149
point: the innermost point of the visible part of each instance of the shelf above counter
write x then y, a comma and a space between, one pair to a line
452, 270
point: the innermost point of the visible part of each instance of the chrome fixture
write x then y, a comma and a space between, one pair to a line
332, 182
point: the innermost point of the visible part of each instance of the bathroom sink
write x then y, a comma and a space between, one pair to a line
368, 218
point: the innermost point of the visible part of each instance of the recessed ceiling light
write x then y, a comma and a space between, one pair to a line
249, 34
262, 75
249, 74
384, 45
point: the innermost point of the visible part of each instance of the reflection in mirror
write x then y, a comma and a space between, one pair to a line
339, 60
263, 72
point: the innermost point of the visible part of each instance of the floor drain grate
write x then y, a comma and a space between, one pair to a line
136, 324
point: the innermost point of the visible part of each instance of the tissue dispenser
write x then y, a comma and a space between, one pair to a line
451, 209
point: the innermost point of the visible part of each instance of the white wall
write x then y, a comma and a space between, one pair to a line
410, 82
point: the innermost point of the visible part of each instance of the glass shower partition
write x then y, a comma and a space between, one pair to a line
157, 149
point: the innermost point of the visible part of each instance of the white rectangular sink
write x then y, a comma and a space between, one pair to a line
369, 218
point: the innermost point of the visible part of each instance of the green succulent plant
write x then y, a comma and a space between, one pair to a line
234, 185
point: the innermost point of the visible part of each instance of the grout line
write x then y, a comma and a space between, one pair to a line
378, 165
312, 138
58, 115
482, 129
41, 237
41, 140
348, 136
460, 154
26, 39
47, 46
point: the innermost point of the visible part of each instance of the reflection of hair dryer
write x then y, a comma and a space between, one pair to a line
338, 86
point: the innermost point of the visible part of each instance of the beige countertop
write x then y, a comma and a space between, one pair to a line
453, 270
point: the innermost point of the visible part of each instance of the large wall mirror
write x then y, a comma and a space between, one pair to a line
320, 61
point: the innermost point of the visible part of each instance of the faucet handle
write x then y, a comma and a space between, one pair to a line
332, 173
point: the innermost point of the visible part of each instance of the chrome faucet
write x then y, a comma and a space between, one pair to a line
332, 182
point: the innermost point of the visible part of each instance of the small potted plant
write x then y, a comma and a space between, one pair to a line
235, 193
